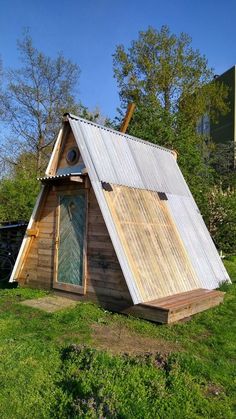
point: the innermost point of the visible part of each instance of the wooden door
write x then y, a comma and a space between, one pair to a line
70, 270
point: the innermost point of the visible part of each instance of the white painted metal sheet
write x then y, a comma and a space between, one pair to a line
124, 160
197, 241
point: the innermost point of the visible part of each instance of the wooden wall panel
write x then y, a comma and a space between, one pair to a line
105, 279
68, 143
153, 247
37, 269
105, 276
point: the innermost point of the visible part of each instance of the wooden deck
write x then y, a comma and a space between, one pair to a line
179, 306
163, 310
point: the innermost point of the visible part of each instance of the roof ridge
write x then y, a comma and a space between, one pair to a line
131, 137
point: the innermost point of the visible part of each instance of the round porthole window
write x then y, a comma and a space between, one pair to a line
72, 156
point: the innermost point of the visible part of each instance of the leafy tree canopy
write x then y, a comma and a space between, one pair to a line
37, 95
19, 190
172, 87
162, 69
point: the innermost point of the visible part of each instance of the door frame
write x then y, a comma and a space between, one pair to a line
79, 289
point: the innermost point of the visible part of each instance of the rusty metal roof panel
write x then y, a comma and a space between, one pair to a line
197, 241
124, 160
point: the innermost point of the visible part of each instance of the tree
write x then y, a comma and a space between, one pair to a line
223, 159
172, 87
37, 95
164, 70
18, 191
1, 88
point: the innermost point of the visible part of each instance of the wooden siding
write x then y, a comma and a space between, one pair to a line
105, 276
37, 267
154, 249
69, 142
105, 279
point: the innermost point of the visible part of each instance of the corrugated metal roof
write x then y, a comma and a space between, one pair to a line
120, 159
124, 160
197, 241
67, 175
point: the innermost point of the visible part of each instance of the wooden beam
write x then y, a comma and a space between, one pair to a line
51, 169
128, 116
27, 239
57, 149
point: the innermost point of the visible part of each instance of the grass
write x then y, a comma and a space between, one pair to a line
56, 366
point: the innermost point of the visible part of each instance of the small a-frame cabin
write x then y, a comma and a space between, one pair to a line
115, 223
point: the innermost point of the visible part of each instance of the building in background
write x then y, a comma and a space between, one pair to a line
223, 133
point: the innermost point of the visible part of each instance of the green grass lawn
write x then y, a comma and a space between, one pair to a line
88, 363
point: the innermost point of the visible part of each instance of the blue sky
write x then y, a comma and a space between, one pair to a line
88, 31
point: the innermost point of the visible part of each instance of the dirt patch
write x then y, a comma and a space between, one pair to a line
50, 304
214, 390
119, 339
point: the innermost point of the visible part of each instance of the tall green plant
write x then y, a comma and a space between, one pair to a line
222, 220
18, 191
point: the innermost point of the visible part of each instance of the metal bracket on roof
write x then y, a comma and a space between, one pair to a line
107, 186
162, 196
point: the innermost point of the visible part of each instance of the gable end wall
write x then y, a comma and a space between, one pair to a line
105, 280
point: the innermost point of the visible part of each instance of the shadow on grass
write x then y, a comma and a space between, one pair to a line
8, 285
